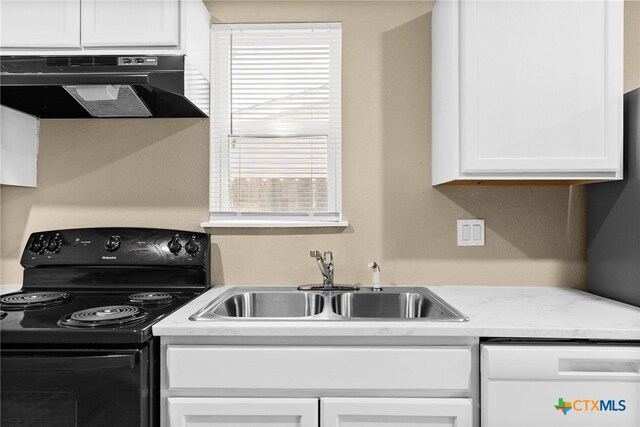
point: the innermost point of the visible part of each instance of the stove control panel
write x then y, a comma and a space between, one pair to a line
117, 246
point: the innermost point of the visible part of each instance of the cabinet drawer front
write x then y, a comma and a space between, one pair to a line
366, 369
186, 412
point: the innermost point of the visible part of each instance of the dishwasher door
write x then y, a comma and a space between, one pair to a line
563, 385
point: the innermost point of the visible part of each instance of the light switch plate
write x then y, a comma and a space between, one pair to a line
471, 232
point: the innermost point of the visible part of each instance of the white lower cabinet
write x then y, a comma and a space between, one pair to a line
323, 385
334, 412
372, 412
242, 412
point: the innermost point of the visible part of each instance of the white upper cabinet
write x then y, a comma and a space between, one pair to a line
108, 23
105, 27
39, 23
527, 90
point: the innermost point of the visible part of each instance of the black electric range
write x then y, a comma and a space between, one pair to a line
81, 318
76, 341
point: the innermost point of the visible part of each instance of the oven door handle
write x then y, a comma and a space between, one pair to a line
66, 361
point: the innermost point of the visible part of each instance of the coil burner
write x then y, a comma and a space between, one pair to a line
149, 298
111, 315
30, 300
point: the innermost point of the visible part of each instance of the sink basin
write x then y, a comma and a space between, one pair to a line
267, 304
391, 305
262, 303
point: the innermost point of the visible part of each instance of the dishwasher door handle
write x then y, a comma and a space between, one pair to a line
599, 368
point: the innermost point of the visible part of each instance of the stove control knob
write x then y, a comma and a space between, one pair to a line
174, 245
192, 247
53, 244
112, 243
37, 246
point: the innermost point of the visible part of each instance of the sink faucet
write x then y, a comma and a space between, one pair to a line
325, 263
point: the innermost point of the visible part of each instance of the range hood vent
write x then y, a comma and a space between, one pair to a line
81, 61
109, 101
58, 61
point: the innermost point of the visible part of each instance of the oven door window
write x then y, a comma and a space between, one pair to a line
74, 388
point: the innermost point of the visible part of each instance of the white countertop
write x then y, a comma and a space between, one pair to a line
518, 312
6, 289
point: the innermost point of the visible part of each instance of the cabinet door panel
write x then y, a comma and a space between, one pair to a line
541, 91
142, 23
251, 412
39, 23
363, 412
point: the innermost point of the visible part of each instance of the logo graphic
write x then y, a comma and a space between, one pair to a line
563, 406
590, 405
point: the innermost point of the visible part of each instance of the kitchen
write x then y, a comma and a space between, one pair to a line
154, 172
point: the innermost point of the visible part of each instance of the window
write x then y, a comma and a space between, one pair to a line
276, 125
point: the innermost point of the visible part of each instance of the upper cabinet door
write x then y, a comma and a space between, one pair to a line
527, 90
40, 23
143, 23
541, 86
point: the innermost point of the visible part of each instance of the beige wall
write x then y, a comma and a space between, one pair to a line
631, 44
155, 173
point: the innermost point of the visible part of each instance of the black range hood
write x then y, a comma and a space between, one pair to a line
59, 87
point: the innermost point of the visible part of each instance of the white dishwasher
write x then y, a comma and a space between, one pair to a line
560, 384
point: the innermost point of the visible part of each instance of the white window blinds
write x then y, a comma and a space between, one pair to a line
276, 123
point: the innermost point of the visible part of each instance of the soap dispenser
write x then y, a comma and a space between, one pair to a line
376, 276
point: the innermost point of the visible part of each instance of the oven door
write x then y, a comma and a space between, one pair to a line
75, 388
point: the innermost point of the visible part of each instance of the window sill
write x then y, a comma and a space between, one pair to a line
274, 224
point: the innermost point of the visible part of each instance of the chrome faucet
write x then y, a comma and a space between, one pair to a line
325, 263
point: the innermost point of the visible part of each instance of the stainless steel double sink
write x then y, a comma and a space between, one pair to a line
282, 303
